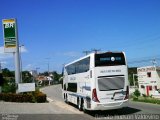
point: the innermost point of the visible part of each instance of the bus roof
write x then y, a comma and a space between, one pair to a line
91, 55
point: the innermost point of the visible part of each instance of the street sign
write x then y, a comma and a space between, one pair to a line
10, 35
11, 44
26, 87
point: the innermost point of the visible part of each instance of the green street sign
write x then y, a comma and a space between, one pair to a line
9, 31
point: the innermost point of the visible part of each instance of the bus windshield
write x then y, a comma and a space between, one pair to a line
109, 59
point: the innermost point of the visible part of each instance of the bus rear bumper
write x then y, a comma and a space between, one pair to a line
109, 106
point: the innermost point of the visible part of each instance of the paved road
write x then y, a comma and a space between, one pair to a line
134, 108
57, 109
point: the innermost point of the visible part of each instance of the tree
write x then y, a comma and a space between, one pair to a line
44, 73
132, 71
56, 76
7, 80
7, 73
27, 77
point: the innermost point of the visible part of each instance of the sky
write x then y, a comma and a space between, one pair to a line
55, 32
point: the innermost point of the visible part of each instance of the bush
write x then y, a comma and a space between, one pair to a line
137, 93
40, 97
135, 99
144, 95
24, 97
12, 97
9, 88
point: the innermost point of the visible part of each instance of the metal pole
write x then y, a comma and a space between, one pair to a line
48, 68
48, 65
17, 59
20, 56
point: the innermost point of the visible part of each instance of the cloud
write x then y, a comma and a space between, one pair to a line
4, 55
29, 66
23, 49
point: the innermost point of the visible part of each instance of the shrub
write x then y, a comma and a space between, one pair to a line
40, 97
24, 97
135, 98
12, 97
144, 95
9, 88
137, 93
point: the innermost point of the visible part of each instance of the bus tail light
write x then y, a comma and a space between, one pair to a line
94, 95
127, 93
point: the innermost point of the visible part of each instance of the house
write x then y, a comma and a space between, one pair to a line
149, 80
44, 79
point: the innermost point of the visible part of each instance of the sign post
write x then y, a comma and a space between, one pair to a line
11, 44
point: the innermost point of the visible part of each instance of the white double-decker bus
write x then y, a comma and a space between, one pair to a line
98, 81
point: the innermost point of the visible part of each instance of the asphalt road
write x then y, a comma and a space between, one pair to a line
56, 109
134, 110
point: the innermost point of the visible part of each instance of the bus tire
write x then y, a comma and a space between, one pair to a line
79, 104
83, 108
66, 99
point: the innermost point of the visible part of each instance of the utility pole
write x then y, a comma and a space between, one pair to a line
86, 52
154, 62
96, 50
48, 65
37, 70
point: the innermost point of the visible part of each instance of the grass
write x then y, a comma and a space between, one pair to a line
147, 100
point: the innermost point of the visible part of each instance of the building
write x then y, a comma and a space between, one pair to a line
34, 73
149, 80
44, 79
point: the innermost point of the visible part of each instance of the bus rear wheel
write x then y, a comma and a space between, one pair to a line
79, 104
83, 108
66, 99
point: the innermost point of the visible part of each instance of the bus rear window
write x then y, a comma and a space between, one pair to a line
109, 59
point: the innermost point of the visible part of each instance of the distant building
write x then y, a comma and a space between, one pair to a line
149, 80
41, 78
34, 73
44, 79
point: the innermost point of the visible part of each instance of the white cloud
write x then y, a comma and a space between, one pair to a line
4, 55
28, 67
23, 49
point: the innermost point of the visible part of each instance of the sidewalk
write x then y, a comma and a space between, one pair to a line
31, 108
